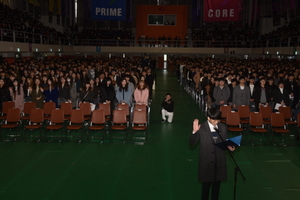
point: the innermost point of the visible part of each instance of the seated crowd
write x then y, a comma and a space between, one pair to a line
76, 80
244, 82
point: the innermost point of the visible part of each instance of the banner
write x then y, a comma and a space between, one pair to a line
109, 9
221, 10
51, 5
58, 7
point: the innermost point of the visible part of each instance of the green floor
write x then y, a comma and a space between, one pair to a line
165, 168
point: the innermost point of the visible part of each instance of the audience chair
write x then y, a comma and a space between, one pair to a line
48, 107
97, 126
266, 115
139, 127
278, 125
28, 106
11, 122
5, 106
107, 110
56, 123
67, 108
125, 106
224, 110
76, 123
35, 124
142, 107
119, 125
287, 114
233, 122
244, 112
256, 126
86, 108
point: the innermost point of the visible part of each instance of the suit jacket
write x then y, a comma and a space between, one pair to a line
212, 159
279, 97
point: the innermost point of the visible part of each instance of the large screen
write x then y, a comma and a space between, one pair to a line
162, 20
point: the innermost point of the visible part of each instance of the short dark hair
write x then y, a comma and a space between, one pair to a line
214, 114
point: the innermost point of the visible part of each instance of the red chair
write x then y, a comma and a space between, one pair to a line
76, 123
56, 123
97, 125
28, 106
119, 125
139, 125
107, 110
278, 126
224, 110
11, 122
5, 106
256, 126
287, 114
36, 120
233, 122
266, 114
48, 107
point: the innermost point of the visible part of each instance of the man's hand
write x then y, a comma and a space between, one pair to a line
231, 148
196, 125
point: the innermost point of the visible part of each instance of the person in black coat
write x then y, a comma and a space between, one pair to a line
261, 95
212, 160
108, 93
281, 95
86, 95
4, 93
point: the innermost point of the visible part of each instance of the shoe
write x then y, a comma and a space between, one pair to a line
163, 121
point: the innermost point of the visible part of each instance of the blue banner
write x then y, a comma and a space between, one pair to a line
109, 9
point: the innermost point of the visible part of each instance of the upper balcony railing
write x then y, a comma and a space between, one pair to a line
35, 38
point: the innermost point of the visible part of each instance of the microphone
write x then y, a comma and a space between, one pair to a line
217, 130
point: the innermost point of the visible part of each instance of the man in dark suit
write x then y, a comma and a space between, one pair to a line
281, 95
212, 160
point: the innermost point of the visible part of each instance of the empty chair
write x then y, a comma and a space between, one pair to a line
266, 112
124, 106
224, 110
56, 122
97, 126
86, 108
107, 110
48, 107
233, 122
244, 112
67, 108
76, 123
119, 126
5, 106
11, 122
28, 106
278, 126
139, 126
287, 114
36, 120
256, 126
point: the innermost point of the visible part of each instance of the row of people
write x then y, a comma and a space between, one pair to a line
76, 84
243, 82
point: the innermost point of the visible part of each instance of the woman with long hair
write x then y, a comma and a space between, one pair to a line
108, 93
63, 92
17, 94
37, 94
123, 94
51, 92
27, 87
141, 93
86, 94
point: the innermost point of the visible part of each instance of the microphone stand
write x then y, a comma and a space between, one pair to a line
236, 169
